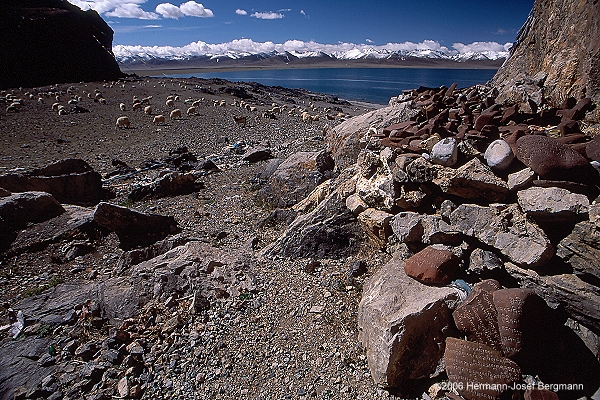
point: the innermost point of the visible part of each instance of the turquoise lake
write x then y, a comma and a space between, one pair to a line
373, 85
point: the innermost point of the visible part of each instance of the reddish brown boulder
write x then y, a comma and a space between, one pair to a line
398, 127
432, 266
553, 160
592, 150
477, 316
477, 371
518, 310
510, 114
483, 120
569, 126
487, 117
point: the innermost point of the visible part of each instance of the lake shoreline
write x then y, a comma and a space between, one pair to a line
166, 69
370, 85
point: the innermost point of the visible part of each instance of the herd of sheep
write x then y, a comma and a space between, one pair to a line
75, 96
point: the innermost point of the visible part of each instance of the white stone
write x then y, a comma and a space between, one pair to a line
499, 155
445, 152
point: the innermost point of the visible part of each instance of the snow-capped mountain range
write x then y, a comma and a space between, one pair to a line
294, 51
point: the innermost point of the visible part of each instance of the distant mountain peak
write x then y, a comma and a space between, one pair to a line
234, 52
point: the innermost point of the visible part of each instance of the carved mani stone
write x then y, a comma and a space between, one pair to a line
477, 316
514, 307
477, 371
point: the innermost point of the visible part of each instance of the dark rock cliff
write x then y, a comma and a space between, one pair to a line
558, 50
45, 42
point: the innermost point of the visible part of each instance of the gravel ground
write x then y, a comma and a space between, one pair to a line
295, 336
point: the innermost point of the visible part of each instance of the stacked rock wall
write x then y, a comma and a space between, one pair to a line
463, 190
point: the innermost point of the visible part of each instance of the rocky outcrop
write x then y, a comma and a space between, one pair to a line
170, 184
295, 178
51, 41
74, 223
19, 209
556, 55
330, 229
134, 228
71, 181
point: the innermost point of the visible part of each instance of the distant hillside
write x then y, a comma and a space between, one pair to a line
51, 41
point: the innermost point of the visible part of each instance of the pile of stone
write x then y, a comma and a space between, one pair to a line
461, 190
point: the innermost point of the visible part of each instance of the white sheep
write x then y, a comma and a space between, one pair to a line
158, 119
148, 110
191, 111
176, 113
122, 122
122, 106
196, 103
306, 117
137, 106
170, 103
55, 106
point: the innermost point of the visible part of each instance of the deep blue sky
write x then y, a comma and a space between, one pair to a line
139, 22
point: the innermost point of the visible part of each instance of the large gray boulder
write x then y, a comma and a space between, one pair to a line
20, 368
344, 140
403, 325
553, 204
581, 249
134, 228
71, 181
116, 299
474, 180
19, 209
295, 178
506, 228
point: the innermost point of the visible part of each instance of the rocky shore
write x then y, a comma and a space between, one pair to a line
306, 248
